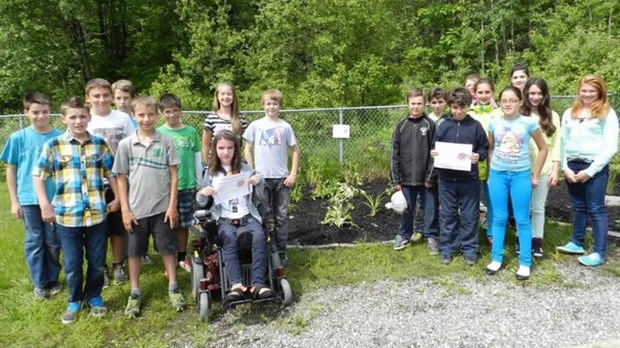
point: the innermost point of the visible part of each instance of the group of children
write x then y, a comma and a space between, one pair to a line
516, 152
118, 176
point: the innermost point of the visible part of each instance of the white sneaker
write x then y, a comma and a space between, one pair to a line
523, 273
186, 265
493, 267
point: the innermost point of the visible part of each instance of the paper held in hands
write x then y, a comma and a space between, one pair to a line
453, 156
230, 187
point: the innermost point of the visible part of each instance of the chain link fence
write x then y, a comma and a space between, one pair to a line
366, 151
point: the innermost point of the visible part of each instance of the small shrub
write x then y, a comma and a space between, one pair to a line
296, 194
340, 207
326, 188
614, 169
374, 203
351, 174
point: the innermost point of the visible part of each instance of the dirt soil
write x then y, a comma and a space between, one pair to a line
306, 228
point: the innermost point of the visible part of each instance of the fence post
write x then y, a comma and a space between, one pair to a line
21, 121
340, 141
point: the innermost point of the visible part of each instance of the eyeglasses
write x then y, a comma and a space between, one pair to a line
509, 101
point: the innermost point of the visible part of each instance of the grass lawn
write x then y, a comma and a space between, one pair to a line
27, 322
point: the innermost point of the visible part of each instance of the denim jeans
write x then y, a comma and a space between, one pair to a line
519, 184
539, 198
230, 248
431, 213
459, 228
274, 201
418, 215
589, 199
411, 194
41, 247
76, 242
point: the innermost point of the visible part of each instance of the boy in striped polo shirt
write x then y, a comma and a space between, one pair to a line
146, 164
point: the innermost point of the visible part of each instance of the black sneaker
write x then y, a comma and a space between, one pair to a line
445, 259
471, 260
41, 294
120, 276
537, 250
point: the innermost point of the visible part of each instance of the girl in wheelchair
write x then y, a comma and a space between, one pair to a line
236, 215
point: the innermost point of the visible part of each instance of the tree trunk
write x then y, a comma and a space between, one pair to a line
483, 46
79, 39
103, 34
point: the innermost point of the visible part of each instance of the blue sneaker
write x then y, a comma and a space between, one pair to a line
571, 248
71, 313
591, 260
97, 308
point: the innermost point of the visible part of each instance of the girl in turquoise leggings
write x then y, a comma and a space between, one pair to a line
509, 138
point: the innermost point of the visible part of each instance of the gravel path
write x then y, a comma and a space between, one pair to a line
488, 312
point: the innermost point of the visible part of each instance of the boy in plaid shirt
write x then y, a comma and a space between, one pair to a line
78, 161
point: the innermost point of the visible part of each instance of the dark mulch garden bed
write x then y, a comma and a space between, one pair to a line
306, 227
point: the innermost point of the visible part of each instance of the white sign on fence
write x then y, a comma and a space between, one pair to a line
341, 131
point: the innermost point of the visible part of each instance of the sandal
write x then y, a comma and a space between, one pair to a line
262, 292
235, 294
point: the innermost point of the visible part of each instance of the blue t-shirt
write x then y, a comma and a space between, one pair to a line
23, 150
512, 139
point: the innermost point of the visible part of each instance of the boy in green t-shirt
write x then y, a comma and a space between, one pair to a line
188, 146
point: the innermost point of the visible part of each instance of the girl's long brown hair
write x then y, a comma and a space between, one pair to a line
599, 108
234, 112
214, 162
544, 108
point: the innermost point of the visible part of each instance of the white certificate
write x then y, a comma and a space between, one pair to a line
453, 156
230, 187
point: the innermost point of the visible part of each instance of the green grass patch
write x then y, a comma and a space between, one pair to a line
372, 262
26, 322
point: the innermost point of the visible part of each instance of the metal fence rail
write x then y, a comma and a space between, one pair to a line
370, 129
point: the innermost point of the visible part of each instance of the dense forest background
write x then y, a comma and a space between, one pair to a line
320, 53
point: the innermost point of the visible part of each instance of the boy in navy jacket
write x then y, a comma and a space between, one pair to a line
459, 191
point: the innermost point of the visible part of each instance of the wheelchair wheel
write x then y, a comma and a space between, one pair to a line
287, 292
197, 274
204, 306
